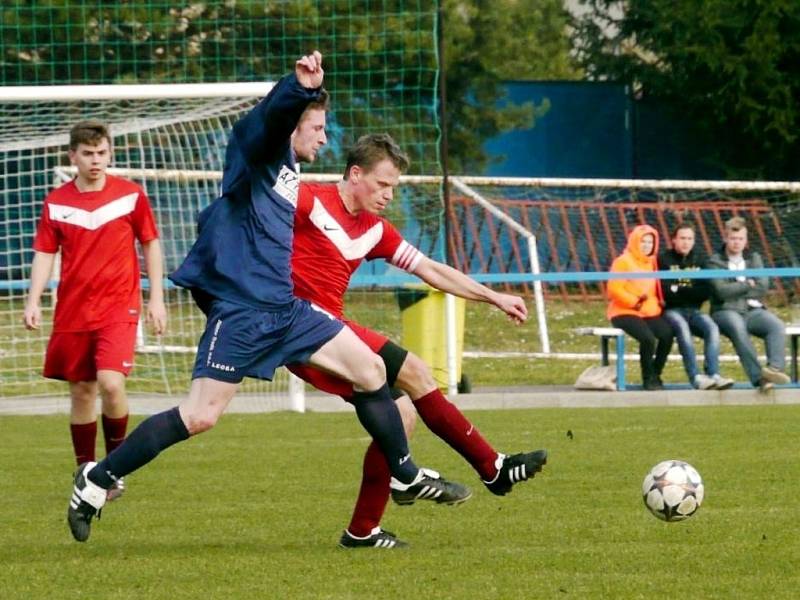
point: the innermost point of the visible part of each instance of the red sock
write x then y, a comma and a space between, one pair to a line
83, 441
446, 421
114, 431
373, 495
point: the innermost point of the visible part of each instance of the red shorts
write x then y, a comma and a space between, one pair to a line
324, 381
78, 355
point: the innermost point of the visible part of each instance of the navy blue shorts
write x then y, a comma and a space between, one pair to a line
240, 341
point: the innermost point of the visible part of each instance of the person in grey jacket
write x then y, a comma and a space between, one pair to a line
737, 307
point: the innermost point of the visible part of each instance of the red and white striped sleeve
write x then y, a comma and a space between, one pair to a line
395, 249
406, 257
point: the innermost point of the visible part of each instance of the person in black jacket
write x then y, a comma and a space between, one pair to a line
683, 299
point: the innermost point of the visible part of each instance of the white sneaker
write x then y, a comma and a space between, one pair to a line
722, 383
704, 382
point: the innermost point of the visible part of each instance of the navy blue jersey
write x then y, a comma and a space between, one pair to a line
244, 244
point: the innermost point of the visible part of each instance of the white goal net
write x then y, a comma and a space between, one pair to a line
169, 138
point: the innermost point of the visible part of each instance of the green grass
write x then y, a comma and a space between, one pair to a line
254, 508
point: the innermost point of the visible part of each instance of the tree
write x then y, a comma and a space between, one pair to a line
381, 60
487, 42
730, 68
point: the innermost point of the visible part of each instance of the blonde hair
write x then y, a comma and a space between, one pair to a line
735, 224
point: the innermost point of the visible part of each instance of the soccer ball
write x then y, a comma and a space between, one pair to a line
673, 490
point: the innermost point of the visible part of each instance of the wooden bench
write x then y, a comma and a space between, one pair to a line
608, 333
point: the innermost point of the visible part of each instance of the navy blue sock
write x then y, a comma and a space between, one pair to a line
144, 443
378, 414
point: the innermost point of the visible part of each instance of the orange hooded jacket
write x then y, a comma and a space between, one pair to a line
625, 293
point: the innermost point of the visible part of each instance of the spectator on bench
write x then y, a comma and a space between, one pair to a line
635, 305
738, 308
683, 299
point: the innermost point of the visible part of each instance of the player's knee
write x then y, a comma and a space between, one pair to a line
82, 392
111, 388
371, 373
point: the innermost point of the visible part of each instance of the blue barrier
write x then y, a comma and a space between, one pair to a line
401, 278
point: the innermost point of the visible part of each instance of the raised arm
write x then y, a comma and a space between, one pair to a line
41, 269
447, 279
265, 131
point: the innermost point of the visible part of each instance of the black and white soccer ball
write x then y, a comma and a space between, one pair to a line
673, 490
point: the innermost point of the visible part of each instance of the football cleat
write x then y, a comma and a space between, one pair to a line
516, 468
429, 485
379, 538
116, 490
86, 501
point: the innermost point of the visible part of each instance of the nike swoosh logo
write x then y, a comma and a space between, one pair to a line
67, 215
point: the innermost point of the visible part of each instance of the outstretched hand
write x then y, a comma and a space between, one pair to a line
513, 306
308, 70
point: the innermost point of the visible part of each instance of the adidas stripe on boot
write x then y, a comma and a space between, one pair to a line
429, 485
86, 501
514, 469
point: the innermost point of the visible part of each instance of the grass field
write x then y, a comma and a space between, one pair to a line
254, 508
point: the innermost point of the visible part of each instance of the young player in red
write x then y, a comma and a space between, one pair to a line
95, 220
337, 226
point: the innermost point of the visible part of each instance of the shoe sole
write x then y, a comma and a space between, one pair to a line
454, 502
724, 386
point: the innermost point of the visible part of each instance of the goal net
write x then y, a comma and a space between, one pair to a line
381, 66
172, 140
581, 225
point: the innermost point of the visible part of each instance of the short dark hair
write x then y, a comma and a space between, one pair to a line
90, 132
684, 225
323, 102
371, 149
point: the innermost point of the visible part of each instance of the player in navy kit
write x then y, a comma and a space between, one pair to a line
239, 273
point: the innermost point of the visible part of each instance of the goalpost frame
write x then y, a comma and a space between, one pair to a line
156, 91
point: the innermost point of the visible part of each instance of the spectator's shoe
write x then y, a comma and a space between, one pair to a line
704, 382
514, 469
116, 491
87, 500
653, 385
379, 538
774, 375
765, 386
429, 485
722, 383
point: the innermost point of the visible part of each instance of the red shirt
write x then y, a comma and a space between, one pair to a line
330, 243
96, 232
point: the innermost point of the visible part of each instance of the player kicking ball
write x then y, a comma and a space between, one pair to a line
239, 273
337, 226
